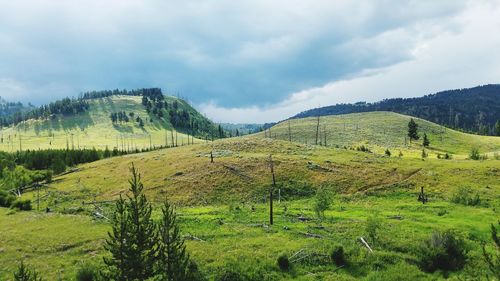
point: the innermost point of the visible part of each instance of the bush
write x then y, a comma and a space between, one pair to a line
474, 154
86, 273
283, 263
464, 196
388, 152
372, 226
20, 204
231, 275
6, 198
322, 203
443, 251
338, 256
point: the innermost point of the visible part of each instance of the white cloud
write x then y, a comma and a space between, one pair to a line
465, 57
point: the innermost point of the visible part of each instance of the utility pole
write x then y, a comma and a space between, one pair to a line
271, 190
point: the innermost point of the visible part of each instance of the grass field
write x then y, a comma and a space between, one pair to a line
216, 202
381, 130
93, 129
224, 205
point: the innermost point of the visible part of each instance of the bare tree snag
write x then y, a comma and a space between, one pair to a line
271, 166
317, 131
289, 132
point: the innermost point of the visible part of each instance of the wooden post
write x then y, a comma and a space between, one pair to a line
271, 165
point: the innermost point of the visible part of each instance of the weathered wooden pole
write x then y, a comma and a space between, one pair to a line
271, 190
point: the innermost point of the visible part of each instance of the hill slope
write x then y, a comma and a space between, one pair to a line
474, 109
381, 130
94, 127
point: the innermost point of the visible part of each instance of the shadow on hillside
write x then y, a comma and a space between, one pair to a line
122, 129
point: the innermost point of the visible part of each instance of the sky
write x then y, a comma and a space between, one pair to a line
249, 61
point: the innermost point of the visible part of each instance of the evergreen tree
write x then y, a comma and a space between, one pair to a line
413, 130
173, 261
493, 259
497, 128
426, 141
132, 243
24, 274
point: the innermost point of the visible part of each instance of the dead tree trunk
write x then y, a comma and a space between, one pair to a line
317, 131
211, 157
289, 132
271, 165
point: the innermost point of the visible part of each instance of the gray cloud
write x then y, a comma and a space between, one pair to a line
229, 54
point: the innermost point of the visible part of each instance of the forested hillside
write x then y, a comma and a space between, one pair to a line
473, 110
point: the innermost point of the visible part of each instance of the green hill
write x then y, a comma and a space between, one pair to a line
381, 130
95, 129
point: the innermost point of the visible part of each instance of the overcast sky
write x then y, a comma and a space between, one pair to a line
248, 61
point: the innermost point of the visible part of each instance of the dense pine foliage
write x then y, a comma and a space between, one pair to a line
474, 110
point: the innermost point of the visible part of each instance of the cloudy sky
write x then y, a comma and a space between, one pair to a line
248, 61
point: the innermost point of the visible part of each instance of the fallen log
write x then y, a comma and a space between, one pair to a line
366, 244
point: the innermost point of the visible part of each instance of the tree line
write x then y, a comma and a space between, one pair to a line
471, 110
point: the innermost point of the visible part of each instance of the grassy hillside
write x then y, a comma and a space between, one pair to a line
381, 130
94, 128
224, 205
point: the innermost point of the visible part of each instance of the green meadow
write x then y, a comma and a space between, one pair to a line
224, 214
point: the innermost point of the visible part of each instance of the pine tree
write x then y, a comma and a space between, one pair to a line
24, 274
173, 261
426, 141
497, 128
413, 130
493, 259
132, 243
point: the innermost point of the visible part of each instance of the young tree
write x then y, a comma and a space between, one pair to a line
24, 274
132, 243
426, 141
413, 130
173, 261
493, 260
497, 128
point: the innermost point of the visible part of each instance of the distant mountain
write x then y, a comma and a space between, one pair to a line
473, 110
241, 129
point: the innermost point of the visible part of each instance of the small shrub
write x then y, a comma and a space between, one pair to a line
388, 152
22, 205
443, 251
372, 226
400, 154
6, 198
464, 196
447, 156
474, 154
322, 203
338, 256
86, 273
424, 154
283, 263
228, 274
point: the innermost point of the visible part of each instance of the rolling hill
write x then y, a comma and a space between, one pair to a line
473, 109
381, 130
94, 128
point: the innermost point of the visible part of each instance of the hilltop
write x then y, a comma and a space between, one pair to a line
118, 120
379, 131
473, 109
